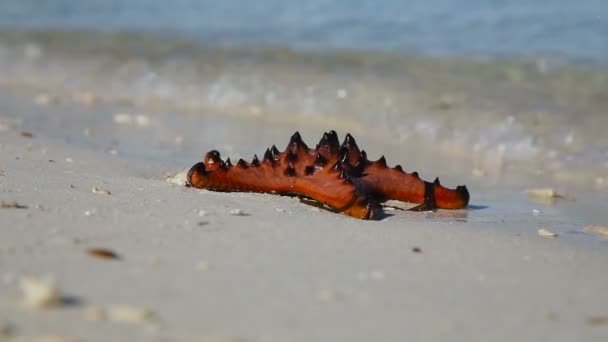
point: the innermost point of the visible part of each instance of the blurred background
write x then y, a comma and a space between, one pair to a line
504, 87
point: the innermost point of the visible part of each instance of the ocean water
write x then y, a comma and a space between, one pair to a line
503, 85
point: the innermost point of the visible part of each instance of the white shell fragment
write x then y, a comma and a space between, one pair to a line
100, 191
548, 194
546, 233
38, 294
178, 179
130, 314
237, 212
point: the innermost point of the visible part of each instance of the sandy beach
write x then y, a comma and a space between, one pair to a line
195, 265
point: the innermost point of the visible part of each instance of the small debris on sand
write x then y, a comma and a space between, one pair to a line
327, 296
100, 191
39, 294
129, 119
69, 160
596, 321
4, 125
11, 205
202, 213
547, 194
130, 314
95, 313
54, 338
544, 232
86, 98
6, 331
202, 266
26, 134
123, 118
477, 172
44, 99
120, 313
178, 179
238, 212
417, 250
597, 229
535, 212
102, 253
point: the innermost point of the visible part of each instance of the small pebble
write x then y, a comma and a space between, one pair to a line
202, 266
6, 331
202, 213
102, 253
597, 321
546, 233
535, 212
11, 205
476, 172
123, 118
26, 134
95, 313
327, 296
142, 120
130, 314
597, 229
417, 250
237, 212
42, 99
69, 160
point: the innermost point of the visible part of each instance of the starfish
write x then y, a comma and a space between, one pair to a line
337, 175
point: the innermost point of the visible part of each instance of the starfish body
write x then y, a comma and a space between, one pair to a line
337, 175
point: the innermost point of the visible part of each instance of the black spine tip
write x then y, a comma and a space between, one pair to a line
255, 161
364, 156
436, 182
309, 170
296, 138
324, 141
382, 161
274, 152
332, 138
349, 142
214, 155
415, 175
399, 168
241, 163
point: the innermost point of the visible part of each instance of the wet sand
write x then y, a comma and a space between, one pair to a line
248, 267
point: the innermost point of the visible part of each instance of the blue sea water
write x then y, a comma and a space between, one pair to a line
575, 30
494, 81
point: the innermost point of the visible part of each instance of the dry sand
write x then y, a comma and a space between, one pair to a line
189, 268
